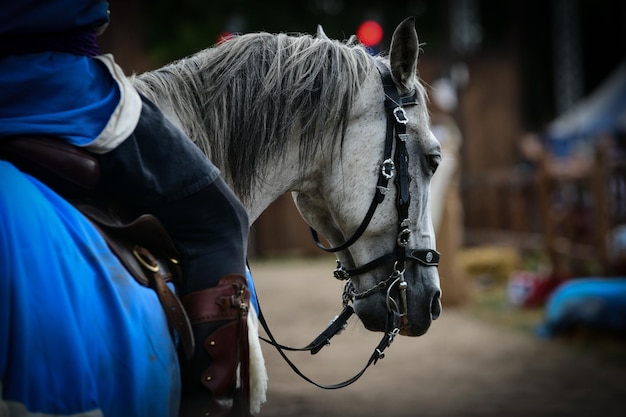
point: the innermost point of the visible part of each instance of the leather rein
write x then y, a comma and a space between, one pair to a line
396, 167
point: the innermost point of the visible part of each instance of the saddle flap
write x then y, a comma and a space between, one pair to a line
145, 231
64, 167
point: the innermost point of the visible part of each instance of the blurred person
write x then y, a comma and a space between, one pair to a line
446, 203
54, 82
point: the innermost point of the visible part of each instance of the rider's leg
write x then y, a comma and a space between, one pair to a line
160, 171
224, 256
214, 226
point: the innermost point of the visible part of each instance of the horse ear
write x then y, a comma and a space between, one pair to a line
321, 34
403, 52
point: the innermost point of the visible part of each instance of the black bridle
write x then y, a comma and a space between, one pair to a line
397, 167
393, 166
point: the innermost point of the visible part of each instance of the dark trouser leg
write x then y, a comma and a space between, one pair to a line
210, 229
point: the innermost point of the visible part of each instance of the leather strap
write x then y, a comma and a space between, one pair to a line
145, 231
226, 301
174, 311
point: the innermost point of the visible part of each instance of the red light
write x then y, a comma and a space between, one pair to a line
224, 36
370, 33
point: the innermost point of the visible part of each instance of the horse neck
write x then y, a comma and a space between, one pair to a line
280, 177
175, 88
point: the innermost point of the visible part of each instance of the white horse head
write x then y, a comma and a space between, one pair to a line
337, 202
280, 113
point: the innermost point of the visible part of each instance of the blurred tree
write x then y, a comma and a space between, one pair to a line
125, 36
177, 29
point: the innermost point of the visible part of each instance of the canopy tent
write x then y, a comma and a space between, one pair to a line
602, 112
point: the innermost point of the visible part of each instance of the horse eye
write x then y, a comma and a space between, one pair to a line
433, 162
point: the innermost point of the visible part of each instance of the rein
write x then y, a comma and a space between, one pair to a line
336, 326
393, 166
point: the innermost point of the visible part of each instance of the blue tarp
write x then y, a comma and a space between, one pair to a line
598, 303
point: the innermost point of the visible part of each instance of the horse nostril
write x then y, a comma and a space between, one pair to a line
435, 306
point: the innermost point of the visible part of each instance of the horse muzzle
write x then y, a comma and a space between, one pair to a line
416, 299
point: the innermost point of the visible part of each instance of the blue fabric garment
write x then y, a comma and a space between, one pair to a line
59, 94
55, 93
77, 332
41, 16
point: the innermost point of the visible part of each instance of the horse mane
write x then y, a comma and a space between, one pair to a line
241, 99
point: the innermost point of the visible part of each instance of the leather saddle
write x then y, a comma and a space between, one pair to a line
141, 243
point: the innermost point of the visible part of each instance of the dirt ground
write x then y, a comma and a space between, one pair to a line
463, 367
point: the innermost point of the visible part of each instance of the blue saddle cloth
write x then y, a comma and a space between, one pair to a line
77, 333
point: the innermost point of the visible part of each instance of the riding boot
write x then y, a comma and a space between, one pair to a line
215, 382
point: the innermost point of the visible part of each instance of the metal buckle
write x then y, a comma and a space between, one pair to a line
403, 237
145, 259
339, 272
388, 168
400, 115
